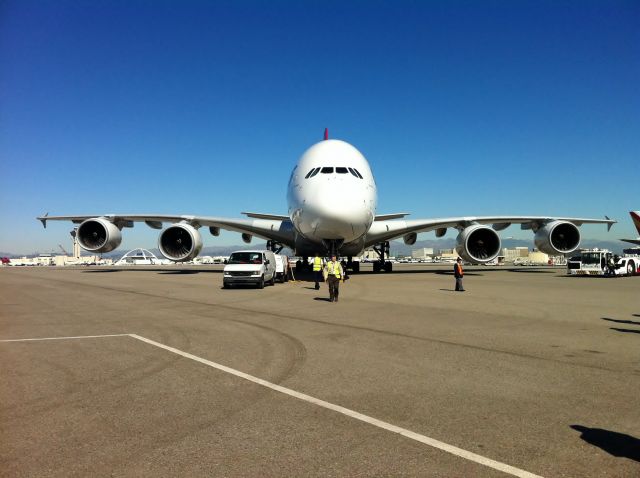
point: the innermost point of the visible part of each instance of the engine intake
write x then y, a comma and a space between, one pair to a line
180, 242
98, 235
557, 237
410, 239
478, 244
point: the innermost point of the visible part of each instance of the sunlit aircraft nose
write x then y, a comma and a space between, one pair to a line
335, 218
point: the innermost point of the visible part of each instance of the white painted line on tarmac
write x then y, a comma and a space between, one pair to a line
459, 452
66, 338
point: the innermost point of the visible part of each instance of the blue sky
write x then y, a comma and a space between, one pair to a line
194, 107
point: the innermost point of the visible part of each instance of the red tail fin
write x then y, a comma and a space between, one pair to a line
326, 134
635, 216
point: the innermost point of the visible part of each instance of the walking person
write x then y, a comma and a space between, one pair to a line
334, 274
318, 264
459, 273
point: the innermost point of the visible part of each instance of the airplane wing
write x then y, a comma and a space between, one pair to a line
632, 241
278, 228
382, 231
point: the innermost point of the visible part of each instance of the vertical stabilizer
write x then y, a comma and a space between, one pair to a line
326, 134
635, 217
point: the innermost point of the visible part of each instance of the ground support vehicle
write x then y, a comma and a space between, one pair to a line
602, 262
282, 268
250, 268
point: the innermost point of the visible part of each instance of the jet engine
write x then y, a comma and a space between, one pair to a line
410, 239
180, 242
98, 235
478, 244
557, 237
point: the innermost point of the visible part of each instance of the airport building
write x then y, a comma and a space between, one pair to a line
58, 260
424, 253
511, 254
448, 254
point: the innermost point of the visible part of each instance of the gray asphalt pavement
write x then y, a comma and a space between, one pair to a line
528, 368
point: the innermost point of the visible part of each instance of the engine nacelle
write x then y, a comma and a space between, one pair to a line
246, 238
478, 244
557, 237
410, 239
180, 242
98, 235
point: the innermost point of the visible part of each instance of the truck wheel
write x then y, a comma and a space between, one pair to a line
273, 279
631, 268
225, 285
388, 266
261, 283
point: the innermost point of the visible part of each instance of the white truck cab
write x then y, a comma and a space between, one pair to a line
250, 267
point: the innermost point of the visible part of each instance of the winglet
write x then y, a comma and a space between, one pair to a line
610, 223
326, 134
43, 220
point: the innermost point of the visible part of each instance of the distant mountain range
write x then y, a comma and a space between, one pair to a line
398, 248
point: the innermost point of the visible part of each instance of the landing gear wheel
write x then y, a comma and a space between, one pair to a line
388, 266
376, 267
356, 267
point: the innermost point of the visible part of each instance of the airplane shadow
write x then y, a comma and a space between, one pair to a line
321, 299
154, 270
532, 271
630, 331
632, 322
616, 444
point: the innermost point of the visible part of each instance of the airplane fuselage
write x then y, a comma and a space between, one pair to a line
332, 196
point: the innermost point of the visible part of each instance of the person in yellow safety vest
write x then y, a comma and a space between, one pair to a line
333, 274
318, 264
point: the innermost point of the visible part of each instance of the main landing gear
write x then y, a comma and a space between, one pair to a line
382, 250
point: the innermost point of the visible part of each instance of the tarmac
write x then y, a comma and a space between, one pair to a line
158, 371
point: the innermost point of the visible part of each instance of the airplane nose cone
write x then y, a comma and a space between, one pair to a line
337, 218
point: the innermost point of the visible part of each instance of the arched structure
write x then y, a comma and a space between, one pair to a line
140, 257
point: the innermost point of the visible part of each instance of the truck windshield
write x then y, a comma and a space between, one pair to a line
245, 258
591, 258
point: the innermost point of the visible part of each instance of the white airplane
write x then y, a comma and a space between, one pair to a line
332, 203
635, 217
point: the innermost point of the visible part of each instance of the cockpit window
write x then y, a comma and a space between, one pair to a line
326, 170
355, 173
292, 173
341, 170
309, 174
315, 171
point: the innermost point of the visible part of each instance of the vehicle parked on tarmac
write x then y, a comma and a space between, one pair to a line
250, 267
282, 268
602, 262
